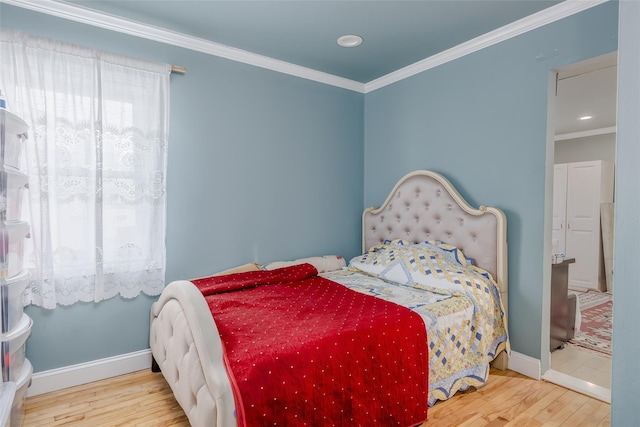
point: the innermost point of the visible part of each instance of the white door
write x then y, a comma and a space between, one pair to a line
583, 223
559, 207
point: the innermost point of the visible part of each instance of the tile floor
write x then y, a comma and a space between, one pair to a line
583, 364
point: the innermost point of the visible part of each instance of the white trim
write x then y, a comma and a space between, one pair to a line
126, 26
586, 133
137, 29
83, 373
531, 22
581, 386
524, 365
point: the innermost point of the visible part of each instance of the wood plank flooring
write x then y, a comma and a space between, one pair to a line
144, 399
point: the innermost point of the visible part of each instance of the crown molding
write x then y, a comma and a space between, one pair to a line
126, 26
137, 29
586, 133
531, 22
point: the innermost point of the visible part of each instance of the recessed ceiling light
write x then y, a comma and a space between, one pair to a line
349, 40
586, 117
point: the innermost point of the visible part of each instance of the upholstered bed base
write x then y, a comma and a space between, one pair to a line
184, 343
422, 206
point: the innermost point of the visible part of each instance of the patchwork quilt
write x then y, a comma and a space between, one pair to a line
459, 302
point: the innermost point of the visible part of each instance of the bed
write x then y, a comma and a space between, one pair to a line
423, 214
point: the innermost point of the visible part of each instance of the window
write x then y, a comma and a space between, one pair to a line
96, 160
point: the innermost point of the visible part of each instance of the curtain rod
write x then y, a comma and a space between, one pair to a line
178, 69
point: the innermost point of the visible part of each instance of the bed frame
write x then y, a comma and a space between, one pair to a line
422, 206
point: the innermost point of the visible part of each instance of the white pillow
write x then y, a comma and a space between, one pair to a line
323, 264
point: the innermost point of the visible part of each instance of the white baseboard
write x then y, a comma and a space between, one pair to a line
525, 365
530, 367
83, 373
581, 386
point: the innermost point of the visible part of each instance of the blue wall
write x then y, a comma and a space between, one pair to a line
626, 339
262, 166
481, 120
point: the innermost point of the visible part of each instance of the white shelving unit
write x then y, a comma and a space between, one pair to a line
15, 325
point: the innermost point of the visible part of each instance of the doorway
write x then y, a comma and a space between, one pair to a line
584, 133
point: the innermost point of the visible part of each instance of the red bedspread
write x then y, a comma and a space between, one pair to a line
303, 350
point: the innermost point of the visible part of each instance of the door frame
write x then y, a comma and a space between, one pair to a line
548, 373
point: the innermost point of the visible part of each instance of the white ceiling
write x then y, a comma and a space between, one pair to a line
587, 88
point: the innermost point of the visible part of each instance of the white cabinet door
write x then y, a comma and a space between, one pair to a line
559, 220
583, 223
578, 191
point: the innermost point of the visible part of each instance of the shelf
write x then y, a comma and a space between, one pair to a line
12, 123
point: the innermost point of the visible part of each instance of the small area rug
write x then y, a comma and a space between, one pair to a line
595, 329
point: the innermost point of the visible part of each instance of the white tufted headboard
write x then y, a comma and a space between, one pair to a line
423, 206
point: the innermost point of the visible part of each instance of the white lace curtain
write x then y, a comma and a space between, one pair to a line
96, 160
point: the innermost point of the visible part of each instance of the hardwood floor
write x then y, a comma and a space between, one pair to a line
141, 398
144, 399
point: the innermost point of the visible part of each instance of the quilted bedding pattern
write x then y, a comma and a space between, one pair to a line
460, 305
